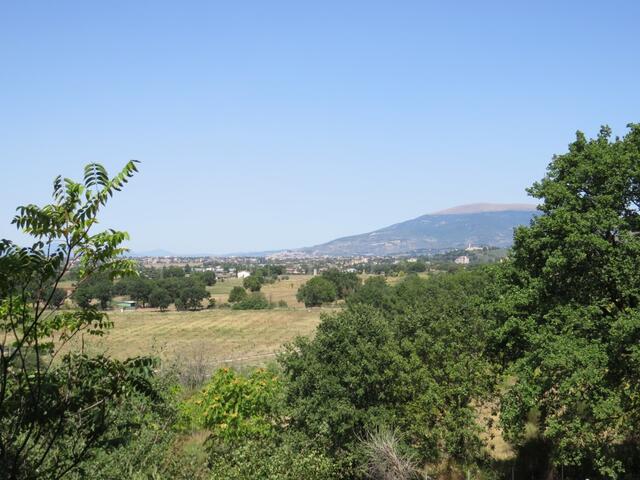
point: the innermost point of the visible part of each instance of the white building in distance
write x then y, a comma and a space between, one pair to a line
462, 260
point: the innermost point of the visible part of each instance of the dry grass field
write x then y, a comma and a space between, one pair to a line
219, 335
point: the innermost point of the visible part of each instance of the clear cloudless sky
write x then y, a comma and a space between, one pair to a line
275, 124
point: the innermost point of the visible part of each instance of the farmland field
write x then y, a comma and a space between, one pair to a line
220, 336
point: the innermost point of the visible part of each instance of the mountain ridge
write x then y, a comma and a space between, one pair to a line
487, 207
477, 224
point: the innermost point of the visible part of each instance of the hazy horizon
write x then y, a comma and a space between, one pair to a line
276, 125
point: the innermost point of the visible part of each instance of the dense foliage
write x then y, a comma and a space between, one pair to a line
415, 363
569, 330
316, 292
237, 294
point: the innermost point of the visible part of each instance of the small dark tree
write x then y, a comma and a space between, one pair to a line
160, 298
139, 289
253, 301
209, 278
191, 297
97, 287
172, 272
58, 296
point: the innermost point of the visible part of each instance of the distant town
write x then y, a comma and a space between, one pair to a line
296, 263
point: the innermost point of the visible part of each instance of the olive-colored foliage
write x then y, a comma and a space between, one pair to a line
237, 294
142, 441
253, 282
317, 291
569, 324
253, 301
416, 364
208, 277
57, 295
53, 415
173, 272
191, 295
375, 292
345, 282
96, 287
137, 288
160, 298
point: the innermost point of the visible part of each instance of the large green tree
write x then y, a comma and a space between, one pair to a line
345, 282
569, 332
317, 291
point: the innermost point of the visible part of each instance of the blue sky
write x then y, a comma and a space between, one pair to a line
282, 124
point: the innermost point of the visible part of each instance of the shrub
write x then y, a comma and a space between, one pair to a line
255, 301
237, 294
274, 460
234, 406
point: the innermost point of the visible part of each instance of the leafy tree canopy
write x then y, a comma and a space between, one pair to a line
345, 282
317, 291
569, 324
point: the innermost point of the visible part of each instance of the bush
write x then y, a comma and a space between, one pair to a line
249, 438
274, 460
254, 301
140, 440
57, 295
237, 294
234, 406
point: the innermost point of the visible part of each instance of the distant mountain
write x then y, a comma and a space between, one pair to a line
488, 207
480, 224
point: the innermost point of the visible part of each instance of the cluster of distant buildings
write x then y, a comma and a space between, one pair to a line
295, 263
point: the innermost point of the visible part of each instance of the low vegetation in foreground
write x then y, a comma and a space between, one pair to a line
528, 368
